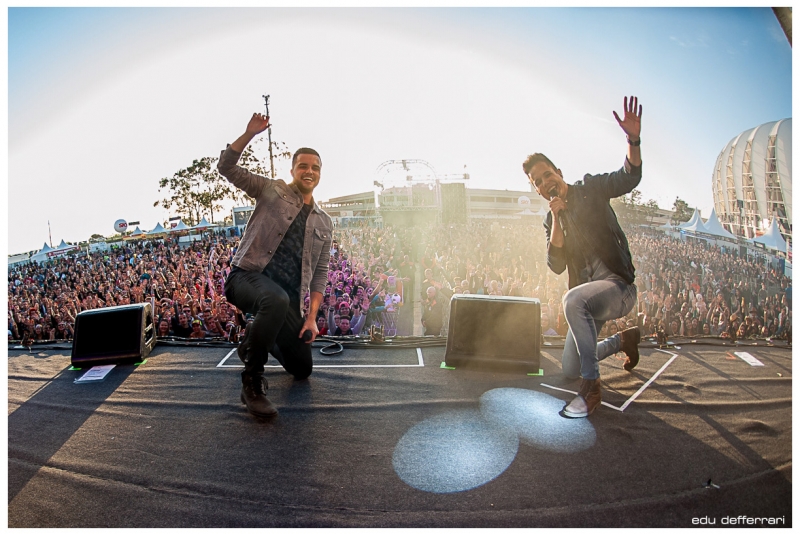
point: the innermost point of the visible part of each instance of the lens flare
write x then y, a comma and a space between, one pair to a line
454, 451
534, 417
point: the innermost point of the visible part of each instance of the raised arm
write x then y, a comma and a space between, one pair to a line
249, 182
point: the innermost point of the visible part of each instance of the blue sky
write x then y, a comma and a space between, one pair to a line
103, 102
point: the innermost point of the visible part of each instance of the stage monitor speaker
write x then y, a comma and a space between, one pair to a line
113, 335
494, 332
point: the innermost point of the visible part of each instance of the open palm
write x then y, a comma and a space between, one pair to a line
631, 122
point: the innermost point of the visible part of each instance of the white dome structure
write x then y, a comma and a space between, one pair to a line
752, 180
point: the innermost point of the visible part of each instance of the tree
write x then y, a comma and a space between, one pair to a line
681, 212
194, 190
199, 188
629, 208
651, 209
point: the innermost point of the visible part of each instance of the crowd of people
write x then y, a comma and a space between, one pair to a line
185, 283
686, 288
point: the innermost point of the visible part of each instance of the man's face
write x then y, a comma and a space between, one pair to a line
544, 178
344, 324
306, 173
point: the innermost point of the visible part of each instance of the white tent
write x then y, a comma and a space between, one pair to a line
693, 221
136, 234
696, 225
202, 224
157, 230
180, 226
48, 253
64, 246
714, 227
772, 238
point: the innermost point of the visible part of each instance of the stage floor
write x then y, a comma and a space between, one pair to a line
388, 438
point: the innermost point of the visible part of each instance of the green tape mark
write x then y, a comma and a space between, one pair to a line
74, 368
540, 373
141, 362
444, 366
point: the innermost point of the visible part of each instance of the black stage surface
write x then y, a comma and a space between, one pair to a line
388, 438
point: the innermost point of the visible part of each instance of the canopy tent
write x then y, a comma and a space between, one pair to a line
714, 227
136, 234
693, 221
48, 253
696, 225
157, 230
202, 224
669, 229
180, 226
64, 246
772, 238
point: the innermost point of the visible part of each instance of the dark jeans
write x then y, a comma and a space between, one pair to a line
275, 327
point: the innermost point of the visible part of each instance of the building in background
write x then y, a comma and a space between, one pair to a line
752, 181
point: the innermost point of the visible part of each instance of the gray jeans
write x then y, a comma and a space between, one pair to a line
586, 307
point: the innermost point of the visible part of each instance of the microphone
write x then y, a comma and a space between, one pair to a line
554, 193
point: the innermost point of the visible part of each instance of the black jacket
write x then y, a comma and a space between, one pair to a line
591, 225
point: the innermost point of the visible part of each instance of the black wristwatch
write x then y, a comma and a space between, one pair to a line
634, 143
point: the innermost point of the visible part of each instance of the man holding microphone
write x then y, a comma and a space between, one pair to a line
584, 237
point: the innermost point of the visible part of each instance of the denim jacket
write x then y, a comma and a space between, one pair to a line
591, 226
277, 204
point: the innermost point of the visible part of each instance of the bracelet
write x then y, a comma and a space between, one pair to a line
634, 143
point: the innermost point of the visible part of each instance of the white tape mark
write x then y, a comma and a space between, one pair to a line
652, 378
632, 397
420, 363
225, 359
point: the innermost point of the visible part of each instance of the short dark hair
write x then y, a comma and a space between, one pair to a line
306, 150
533, 159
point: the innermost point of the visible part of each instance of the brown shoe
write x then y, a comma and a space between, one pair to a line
586, 402
254, 397
630, 339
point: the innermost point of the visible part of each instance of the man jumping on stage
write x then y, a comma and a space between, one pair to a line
284, 253
584, 237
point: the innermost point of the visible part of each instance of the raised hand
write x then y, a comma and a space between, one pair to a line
631, 123
258, 123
